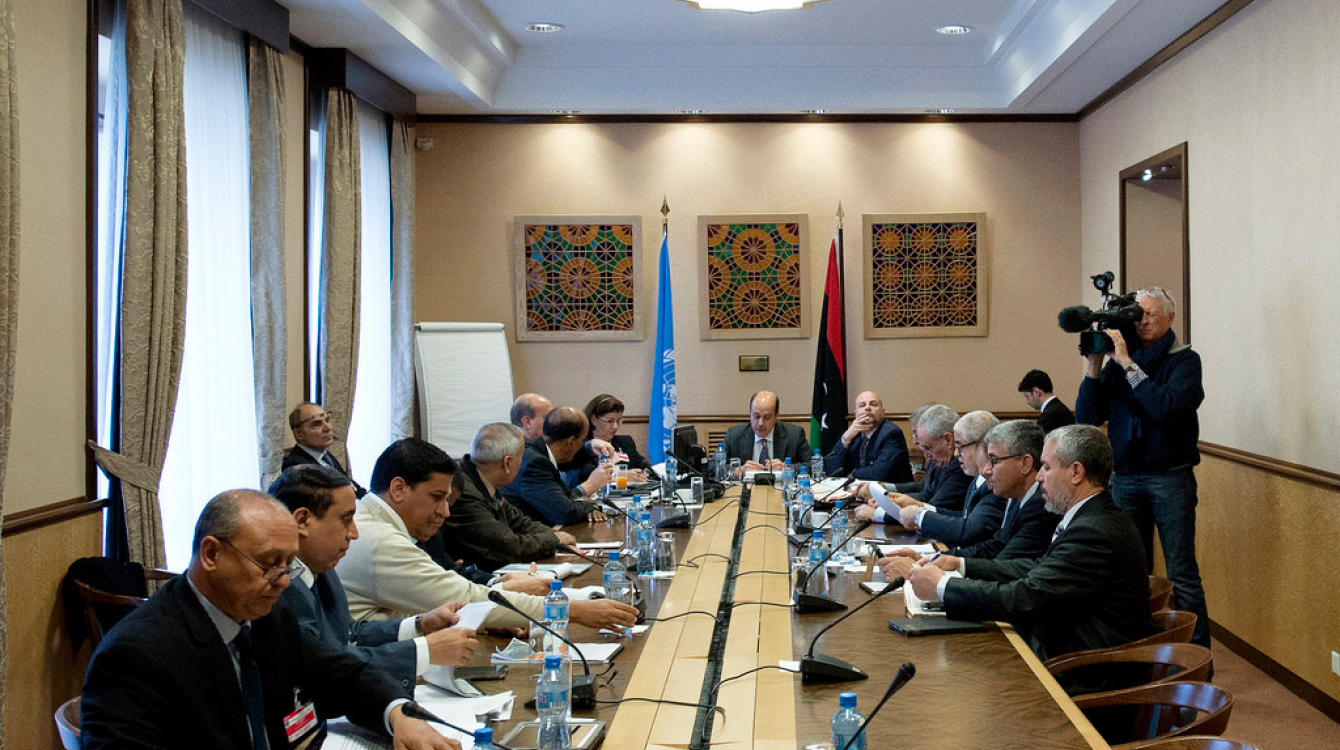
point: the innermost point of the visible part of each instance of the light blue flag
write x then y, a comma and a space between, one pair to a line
662, 416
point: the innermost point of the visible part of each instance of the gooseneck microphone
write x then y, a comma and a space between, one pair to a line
578, 553
905, 675
415, 711
803, 529
583, 687
808, 603
828, 669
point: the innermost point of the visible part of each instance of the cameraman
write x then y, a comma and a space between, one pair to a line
1149, 396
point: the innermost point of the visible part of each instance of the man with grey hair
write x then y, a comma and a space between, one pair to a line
982, 511
483, 529
206, 663
1148, 393
1088, 590
945, 484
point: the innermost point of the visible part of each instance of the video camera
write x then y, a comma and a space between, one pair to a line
1119, 311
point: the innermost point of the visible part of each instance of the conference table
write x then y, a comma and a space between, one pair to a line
724, 615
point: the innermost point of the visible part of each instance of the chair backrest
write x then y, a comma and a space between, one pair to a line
1157, 712
105, 591
67, 723
1196, 742
1175, 626
1160, 593
1130, 666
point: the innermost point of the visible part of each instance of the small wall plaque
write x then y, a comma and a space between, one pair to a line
750, 363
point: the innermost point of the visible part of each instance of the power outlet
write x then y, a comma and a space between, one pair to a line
1335, 663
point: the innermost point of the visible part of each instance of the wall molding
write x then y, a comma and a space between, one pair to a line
743, 417
47, 515
1278, 672
1296, 472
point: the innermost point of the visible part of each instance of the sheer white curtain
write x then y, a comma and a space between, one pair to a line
213, 443
370, 426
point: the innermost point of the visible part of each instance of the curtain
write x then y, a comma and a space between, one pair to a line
337, 358
370, 425
9, 275
265, 97
403, 412
153, 301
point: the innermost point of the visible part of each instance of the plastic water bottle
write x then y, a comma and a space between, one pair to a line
551, 702
617, 588
841, 528
556, 617
805, 499
817, 577
817, 467
630, 519
646, 545
847, 722
484, 738
788, 475
721, 463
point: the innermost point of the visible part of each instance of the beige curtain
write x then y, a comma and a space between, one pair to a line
402, 299
9, 278
153, 302
338, 353
265, 104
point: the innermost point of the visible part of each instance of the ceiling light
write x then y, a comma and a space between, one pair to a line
813, 111
566, 111
690, 111
1147, 176
946, 111
752, 6
953, 30
543, 27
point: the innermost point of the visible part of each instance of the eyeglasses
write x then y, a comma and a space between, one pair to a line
614, 421
960, 446
317, 419
271, 573
994, 460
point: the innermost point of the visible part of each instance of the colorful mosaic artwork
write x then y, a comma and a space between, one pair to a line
580, 277
754, 276
924, 274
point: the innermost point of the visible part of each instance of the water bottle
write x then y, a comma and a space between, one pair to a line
484, 738
556, 617
788, 475
646, 545
616, 584
604, 492
847, 722
551, 702
670, 479
721, 463
805, 499
841, 528
630, 519
817, 467
817, 577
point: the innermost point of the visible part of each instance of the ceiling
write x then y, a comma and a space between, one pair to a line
1022, 57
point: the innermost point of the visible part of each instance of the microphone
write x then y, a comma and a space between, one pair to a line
828, 669
584, 686
905, 675
808, 603
415, 711
579, 553
807, 530
683, 520
1075, 319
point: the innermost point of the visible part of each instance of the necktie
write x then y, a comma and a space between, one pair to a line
252, 693
320, 605
1010, 506
1057, 533
763, 456
865, 445
329, 461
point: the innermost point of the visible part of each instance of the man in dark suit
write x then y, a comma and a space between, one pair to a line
206, 665
764, 444
1037, 389
872, 448
539, 491
322, 503
945, 484
312, 438
483, 529
1088, 590
982, 509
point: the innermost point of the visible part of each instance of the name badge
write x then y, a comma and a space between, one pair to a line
300, 722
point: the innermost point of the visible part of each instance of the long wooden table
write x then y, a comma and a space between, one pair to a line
983, 690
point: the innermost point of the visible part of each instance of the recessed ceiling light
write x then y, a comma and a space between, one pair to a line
544, 27
953, 30
946, 111
813, 111
751, 6
690, 111
566, 111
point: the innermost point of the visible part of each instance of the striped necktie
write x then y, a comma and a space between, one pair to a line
252, 694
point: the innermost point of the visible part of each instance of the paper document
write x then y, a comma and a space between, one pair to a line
920, 549
599, 545
551, 570
595, 653
585, 592
830, 485
917, 607
874, 587
472, 615
445, 678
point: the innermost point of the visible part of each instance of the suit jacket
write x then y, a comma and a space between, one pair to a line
945, 487
377, 641
886, 457
1026, 533
163, 678
297, 457
1089, 590
579, 469
788, 441
387, 577
981, 517
539, 492
1055, 414
487, 531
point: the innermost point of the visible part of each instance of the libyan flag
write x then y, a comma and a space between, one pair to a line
828, 413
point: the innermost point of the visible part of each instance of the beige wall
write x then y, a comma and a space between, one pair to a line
1256, 101
1024, 176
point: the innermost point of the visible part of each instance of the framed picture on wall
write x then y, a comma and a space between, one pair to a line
925, 275
577, 278
753, 277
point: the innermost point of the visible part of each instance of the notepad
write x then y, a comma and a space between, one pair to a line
595, 653
556, 570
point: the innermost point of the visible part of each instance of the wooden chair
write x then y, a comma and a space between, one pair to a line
1175, 626
1129, 719
1196, 742
1132, 666
67, 723
92, 597
1160, 593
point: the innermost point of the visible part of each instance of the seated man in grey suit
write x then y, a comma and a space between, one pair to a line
208, 664
982, 511
1088, 590
312, 438
764, 444
539, 490
945, 485
323, 504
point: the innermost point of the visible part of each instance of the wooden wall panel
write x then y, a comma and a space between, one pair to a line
43, 670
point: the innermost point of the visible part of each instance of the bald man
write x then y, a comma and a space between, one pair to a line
765, 443
872, 448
